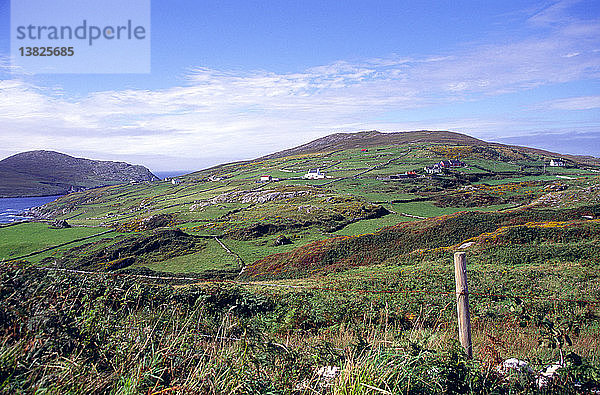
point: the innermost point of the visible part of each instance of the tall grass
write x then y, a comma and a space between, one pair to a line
61, 333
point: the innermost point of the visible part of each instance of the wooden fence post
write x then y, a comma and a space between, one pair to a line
462, 302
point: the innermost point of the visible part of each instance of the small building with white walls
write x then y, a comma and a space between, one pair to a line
435, 169
314, 174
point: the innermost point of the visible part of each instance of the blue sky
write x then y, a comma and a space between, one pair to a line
238, 79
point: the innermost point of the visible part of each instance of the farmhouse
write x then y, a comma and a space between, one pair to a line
435, 169
557, 163
314, 174
175, 181
215, 178
266, 178
403, 176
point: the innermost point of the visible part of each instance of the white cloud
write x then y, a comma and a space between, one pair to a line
556, 13
220, 113
576, 103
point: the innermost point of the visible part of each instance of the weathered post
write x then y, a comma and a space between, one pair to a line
462, 302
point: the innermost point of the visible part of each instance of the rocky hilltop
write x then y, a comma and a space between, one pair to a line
340, 141
374, 138
40, 173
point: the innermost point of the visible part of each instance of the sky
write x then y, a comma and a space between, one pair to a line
233, 80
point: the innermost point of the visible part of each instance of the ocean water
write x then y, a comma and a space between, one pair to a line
10, 208
173, 173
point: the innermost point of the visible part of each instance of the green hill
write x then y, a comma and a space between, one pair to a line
372, 181
41, 173
342, 141
366, 139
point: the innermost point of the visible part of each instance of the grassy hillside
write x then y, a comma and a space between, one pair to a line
390, 245
344, 141
225, 284
258, 219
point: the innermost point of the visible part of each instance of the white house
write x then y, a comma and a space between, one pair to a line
435, 169
215, 178
266, 178
557, 163
175, 181
314, 174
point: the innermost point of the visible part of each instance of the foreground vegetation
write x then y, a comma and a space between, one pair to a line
67, 333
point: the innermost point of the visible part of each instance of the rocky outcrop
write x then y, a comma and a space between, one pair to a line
258, 196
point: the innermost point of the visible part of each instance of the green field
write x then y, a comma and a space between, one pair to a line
518, 179
373, 225
30, 237
429, 210
251, 251
213, 257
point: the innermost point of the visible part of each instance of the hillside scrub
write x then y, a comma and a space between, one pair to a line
125, 250
382, 246
66, 333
